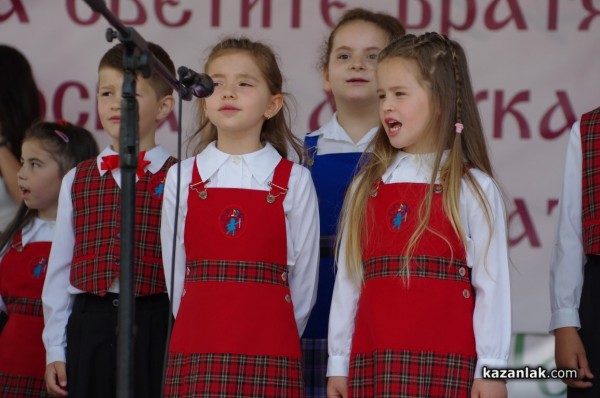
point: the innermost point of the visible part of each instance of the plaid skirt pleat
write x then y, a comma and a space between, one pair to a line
388, 373
22, 386
228, 375
314, 353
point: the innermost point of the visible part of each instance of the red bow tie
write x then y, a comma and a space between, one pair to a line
111, 162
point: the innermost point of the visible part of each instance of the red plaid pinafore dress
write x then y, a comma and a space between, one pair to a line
235, 334
414, 335
22, 354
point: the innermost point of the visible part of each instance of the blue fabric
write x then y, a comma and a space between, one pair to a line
331, 173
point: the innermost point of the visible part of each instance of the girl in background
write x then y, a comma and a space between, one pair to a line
421, 301
348, 65
49, 150
246, 246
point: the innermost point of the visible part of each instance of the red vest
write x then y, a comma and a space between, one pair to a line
96, 221
590, 145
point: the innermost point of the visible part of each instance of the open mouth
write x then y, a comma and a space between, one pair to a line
393, 125
24, 192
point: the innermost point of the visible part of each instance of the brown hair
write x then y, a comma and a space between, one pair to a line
68, 145
444, 73
385, 22
275, 130
113, 58
20, 104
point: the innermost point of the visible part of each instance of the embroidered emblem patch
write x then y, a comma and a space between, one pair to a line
233, 222
156, 185
397, 215
38, 267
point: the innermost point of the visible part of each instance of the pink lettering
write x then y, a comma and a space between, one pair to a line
17, 8
567, 111
522, 213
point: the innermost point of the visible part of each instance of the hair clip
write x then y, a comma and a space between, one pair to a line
62, 122
62, 135
459, 127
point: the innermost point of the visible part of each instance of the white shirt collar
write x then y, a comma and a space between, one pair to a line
30, 230
333, 130
260, 163
157, 157
422, 162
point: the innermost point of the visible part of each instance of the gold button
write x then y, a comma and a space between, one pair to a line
466, 293
187, 270
284, 276
183, 293
462, 271
288, 298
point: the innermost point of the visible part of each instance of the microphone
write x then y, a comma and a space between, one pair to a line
199, 84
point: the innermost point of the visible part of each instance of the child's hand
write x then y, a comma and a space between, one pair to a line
489, 389
56, 379
337, 386
569, 353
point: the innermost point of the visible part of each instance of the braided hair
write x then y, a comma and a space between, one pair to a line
443, 72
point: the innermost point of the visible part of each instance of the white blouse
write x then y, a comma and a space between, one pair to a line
568, 256
334, 139
249, 171
489, 277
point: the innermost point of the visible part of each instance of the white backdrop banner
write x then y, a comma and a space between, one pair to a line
534, 65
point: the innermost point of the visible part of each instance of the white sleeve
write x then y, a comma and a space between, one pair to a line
57, 301
342, 317
487, 254
302, 222
166, 235
568, 257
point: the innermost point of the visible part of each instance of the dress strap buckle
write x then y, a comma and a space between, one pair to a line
270, 196
200, 188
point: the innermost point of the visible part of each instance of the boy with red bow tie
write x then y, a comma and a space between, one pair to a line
80, 294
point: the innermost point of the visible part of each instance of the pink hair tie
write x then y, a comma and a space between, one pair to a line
62, 135
459, 127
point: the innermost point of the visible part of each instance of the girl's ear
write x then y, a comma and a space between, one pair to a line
166, 105
274, 106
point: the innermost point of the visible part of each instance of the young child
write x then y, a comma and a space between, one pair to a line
246, 251
421, 299
575, 270
49, 150
348, 65
81, 293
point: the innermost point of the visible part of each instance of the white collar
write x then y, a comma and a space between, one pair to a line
30, 230
157, 157
423, 160
333, 130
260, 163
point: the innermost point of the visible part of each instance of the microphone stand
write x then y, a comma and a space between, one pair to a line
136, 57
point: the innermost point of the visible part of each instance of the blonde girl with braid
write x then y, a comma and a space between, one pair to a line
421, 303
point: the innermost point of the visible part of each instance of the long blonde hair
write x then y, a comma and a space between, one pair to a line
444, 72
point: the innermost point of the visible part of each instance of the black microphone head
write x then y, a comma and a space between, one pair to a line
203, 86
185, 74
